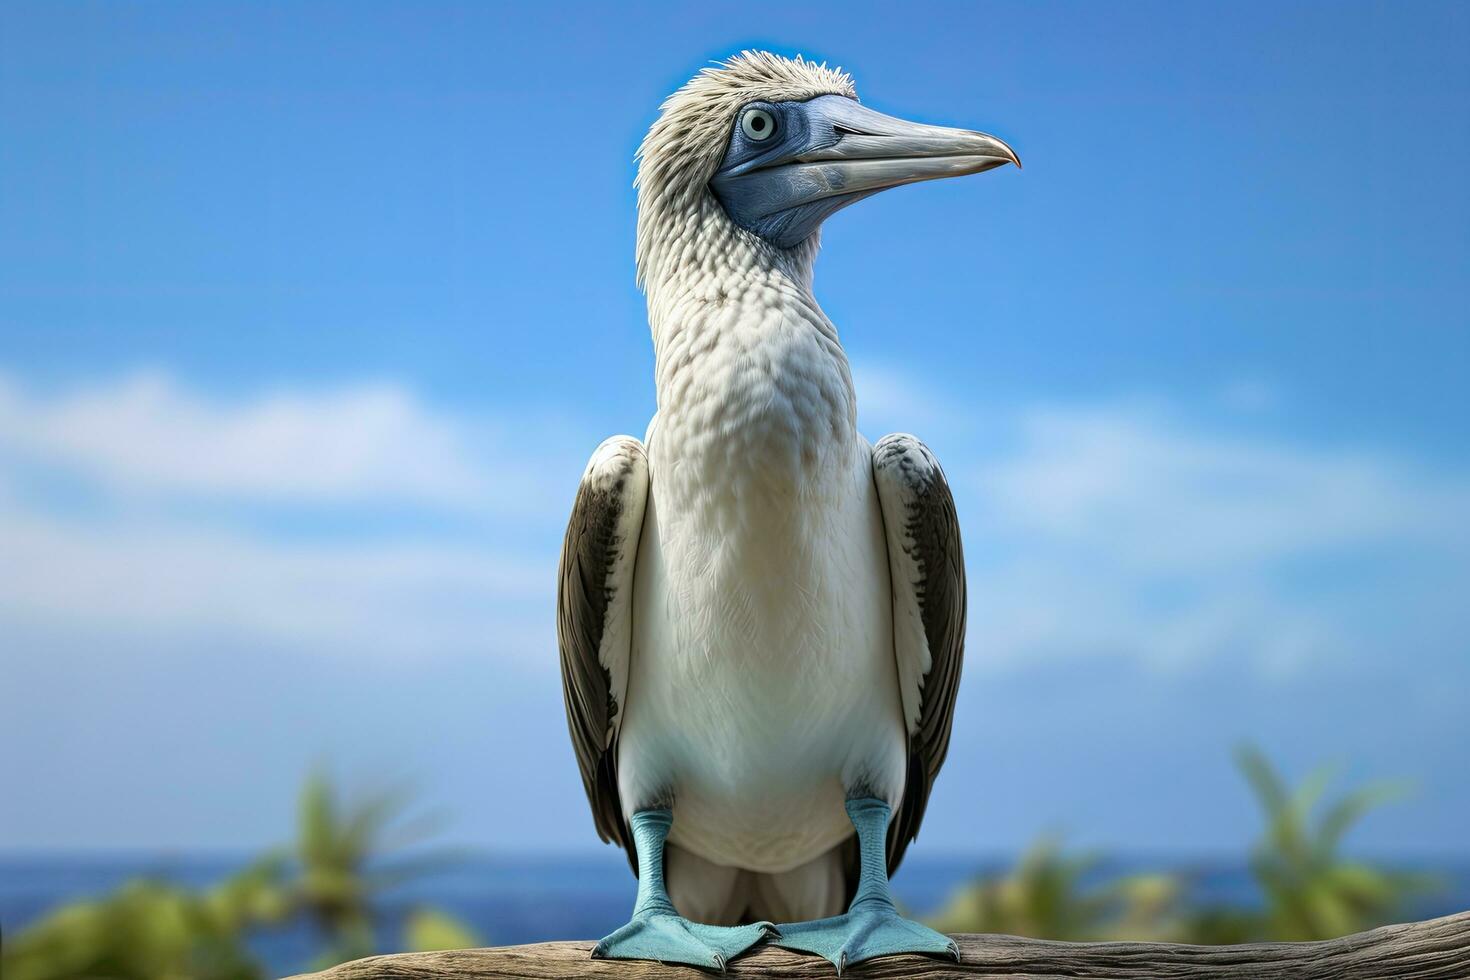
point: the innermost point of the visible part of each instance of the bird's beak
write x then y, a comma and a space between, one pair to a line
849, 152
875, 152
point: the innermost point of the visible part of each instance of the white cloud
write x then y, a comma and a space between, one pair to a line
888, 401
1128, 534
365, 601
151, 563
1169, 499
369, 442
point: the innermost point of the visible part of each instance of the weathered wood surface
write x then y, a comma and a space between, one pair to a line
1437, 949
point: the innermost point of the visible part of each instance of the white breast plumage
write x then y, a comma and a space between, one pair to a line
763, 659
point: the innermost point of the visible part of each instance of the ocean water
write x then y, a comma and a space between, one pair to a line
509, 900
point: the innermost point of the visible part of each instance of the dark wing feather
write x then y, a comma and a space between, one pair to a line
927, 564
593, 621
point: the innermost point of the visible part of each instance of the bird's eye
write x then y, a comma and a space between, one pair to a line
757, 125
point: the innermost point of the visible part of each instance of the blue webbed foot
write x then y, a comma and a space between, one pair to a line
863, 933
657, 931
871, 926
672, 939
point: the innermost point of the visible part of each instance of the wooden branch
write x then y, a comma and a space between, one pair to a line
1438, 949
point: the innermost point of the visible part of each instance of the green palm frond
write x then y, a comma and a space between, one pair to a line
1311, 891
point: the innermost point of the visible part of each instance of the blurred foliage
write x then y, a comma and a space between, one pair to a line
148, 930
342, 850
1046, 896
333, 878
1309, 890
429, 929
348, 852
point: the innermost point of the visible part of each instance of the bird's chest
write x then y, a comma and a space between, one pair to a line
756, 419
759, 478
757, 471
762, 666
755, 525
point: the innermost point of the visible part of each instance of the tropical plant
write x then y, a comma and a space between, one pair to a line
149, 930
1311, 890
1048, 896
152, 930
344, 849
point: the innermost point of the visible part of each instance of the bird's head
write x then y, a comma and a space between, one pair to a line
772, 147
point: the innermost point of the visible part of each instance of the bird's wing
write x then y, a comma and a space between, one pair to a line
594, 618
927, 567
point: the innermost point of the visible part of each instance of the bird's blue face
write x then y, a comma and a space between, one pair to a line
789, 165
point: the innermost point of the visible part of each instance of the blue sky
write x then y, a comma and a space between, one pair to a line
310, 315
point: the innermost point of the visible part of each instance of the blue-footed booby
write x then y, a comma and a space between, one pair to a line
761, 615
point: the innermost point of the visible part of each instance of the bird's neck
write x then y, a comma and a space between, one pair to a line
736, 330
704, 277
